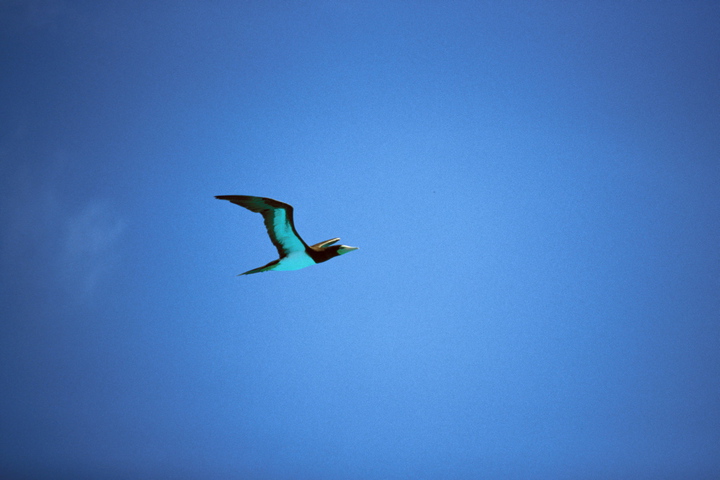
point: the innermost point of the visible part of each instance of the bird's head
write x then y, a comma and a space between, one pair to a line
325, 253
334, 249
342, 249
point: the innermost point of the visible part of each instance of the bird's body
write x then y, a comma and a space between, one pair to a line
294, 261
294, 252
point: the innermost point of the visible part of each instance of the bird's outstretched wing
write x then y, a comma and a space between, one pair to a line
278, 218
324, 244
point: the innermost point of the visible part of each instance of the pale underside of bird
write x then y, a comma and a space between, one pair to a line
294, 252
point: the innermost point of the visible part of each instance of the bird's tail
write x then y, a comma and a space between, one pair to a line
264, 268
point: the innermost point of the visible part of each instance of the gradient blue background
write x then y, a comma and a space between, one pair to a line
534, 187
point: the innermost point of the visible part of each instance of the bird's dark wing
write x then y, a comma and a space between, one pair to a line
326, 243
278, 218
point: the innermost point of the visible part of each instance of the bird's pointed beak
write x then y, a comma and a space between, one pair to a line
345, 249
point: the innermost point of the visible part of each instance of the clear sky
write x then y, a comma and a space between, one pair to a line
534, 187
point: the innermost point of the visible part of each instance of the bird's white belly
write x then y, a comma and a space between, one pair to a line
295, 261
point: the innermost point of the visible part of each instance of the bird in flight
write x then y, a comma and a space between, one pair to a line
294, 252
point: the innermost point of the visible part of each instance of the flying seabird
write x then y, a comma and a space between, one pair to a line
294, 252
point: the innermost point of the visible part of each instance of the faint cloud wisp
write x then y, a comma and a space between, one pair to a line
89, 246
49, 244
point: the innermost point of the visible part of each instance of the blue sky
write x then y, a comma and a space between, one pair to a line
534, 188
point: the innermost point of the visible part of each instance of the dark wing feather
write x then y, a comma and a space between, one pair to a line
278, 218
326, 243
